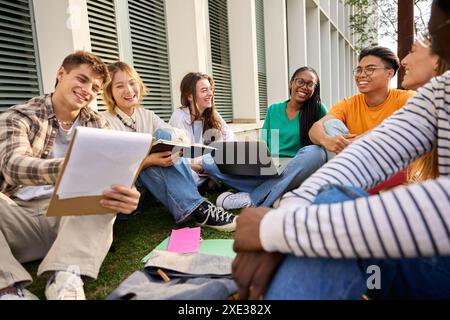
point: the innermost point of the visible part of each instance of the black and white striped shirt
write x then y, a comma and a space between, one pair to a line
410, 221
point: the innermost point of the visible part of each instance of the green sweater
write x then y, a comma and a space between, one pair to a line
287, 132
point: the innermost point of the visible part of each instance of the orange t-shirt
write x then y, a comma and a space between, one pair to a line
360, 118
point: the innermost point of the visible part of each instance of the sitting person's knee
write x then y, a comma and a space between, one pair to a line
335, 127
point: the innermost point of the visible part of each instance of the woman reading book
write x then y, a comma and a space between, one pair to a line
198, 118
202, 123
165, 175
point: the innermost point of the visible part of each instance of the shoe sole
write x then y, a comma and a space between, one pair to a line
226, 228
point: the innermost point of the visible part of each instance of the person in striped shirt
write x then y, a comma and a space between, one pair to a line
421, 64
396, 243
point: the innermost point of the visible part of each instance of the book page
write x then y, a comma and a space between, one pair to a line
193, 150
101, 158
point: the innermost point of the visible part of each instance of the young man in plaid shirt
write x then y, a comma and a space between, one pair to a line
33, 141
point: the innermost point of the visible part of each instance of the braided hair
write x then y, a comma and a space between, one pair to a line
311, 109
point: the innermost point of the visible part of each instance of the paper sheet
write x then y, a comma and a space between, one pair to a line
101, 158
186, 240
214, 247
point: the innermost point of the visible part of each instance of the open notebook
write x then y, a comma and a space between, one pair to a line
96, 159
192, 150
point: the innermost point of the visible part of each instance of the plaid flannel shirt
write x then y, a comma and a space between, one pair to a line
27, 136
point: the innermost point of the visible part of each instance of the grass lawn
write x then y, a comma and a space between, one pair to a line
133, 239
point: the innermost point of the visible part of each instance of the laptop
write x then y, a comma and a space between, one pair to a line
247, 158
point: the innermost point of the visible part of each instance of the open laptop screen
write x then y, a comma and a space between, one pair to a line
251, 158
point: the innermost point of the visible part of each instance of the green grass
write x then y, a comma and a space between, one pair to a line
133, 239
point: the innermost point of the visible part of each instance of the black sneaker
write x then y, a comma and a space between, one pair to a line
210, 216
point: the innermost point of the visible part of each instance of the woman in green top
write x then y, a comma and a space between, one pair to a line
286, 132
287, 123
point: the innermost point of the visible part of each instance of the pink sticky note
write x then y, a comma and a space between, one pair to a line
186, 240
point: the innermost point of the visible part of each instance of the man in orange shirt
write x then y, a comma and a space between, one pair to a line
359, 114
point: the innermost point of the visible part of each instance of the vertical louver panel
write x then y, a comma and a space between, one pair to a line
19, 72
103, 29
220, 54
262, 77
150, 53
103, 32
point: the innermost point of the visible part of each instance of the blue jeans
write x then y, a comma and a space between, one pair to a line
174, 186
264, 190
335, 127
317, 278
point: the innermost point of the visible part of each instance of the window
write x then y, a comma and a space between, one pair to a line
220, 54
103, 32
261, 45
19, 68
150, 53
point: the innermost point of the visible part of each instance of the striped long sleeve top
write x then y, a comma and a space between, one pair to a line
410, 221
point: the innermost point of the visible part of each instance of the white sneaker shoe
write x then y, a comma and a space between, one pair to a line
229, 200
65, 285
17, 293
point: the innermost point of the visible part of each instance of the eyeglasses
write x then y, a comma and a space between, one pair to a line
439, 27
301, 83
368, 71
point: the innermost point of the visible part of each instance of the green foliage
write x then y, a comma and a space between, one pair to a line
378, 18
362, 23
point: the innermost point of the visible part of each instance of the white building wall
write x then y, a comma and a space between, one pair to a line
325, 61
313, 36
349, 70
335, 66
342, 68
244, 60
319, 37
123, 31
296, 26
189, 47
276, 37
59, 34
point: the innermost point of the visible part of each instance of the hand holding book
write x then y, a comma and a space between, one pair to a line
161, 159
192, 150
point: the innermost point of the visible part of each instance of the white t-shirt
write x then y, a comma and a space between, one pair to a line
62, 141
181, 118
